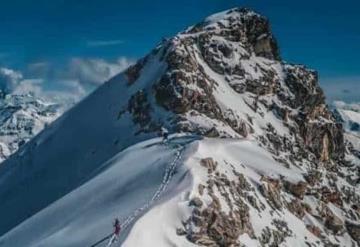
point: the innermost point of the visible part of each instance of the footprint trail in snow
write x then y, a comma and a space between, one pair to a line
169, 172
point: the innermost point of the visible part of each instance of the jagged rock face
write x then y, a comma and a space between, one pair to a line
21, 118
139, 108
172, 93
303, 83
210, 224
324, 139
224, 49
318, 128
354, 230
244, 26
224, 78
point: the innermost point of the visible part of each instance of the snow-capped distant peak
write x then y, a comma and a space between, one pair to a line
21, 118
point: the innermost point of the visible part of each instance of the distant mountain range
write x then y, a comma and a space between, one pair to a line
21, 118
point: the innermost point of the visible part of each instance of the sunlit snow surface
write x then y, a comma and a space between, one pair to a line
123, 185
129, 182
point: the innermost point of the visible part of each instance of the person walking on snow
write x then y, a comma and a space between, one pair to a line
164, 134
117, 227
115, 236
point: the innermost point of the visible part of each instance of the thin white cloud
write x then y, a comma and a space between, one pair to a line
29, 86
345, 106
71, 91
97, 43
65, 85
9, 79
96, 71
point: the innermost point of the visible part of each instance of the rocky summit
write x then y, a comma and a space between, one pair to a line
224, 77
255, 156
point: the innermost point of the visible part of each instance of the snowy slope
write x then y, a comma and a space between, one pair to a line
66, 154
123, 185
244, 165
243, 155
271, 169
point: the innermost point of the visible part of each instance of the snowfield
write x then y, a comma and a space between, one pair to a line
121, 187
136, 187
160, 223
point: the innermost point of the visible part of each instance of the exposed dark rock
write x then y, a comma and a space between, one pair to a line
331, 221
313, 177
196, 202
201, 189
297, 189
180, 232
314, 230
214, 226
354, 231
270, 189
133, 72
209, 163
273, 238
139, 107
331, 196
297, 208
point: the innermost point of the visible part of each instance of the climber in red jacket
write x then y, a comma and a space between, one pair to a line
117, 227
114, 237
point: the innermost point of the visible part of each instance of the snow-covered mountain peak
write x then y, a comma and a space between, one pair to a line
240, 25
263, 161
21, 118
223, 78
234, 13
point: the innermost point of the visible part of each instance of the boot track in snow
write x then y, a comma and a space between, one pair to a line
169, 172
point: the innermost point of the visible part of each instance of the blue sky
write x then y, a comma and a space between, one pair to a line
41, 37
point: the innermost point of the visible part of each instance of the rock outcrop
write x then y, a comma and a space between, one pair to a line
237, 47
224, 78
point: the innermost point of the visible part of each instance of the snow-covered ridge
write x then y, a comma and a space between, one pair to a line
235, 13
272, 168
125, 187
234, 180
